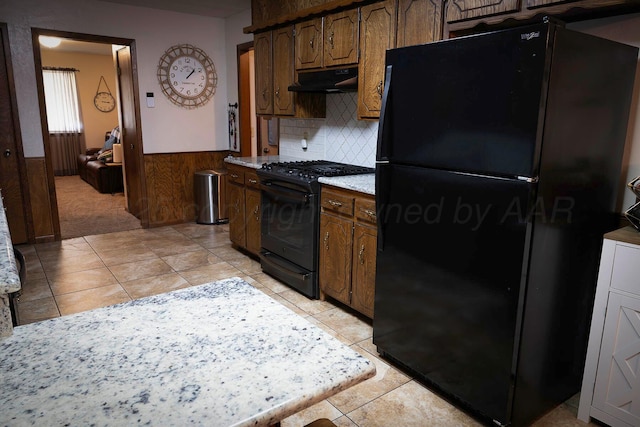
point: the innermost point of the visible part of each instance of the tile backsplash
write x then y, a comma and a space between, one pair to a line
340, 137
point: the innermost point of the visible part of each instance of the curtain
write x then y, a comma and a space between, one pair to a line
63, 118
65, 147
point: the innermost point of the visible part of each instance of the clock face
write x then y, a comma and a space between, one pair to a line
187, 76
104, 102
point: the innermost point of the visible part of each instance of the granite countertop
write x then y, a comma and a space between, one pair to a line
363, 183
9, 278
256, 162
222, 354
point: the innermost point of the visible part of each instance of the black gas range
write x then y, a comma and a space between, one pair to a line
305, 173
291, 219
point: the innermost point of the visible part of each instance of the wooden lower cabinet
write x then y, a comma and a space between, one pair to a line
348, 243
252, 220
243, 204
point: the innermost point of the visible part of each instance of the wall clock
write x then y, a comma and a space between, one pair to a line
187, 76
104, 101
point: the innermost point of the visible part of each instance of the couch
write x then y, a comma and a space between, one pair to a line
95, 167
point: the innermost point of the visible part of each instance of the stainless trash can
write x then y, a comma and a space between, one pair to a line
210, 193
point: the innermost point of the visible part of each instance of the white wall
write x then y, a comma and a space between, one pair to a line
234, 25
625, 29
166, 128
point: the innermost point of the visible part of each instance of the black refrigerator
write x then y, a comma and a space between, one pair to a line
498, 167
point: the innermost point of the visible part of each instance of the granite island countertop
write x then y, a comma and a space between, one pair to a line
9, 277
222, 354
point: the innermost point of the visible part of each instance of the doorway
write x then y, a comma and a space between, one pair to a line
121, 85
259, 135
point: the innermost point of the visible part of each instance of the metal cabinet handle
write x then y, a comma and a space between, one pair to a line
379, 89
311, 43
278, 93
334, 203
331, 39
326, 241
7, 153
264, 94
255, 212
253, 181
234, 176
361, 255
371, 214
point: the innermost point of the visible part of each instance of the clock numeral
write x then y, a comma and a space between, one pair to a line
173, 75
174, 68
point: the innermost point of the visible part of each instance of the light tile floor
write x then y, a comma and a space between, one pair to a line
94, 271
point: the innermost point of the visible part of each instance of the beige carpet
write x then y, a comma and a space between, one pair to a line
84, 211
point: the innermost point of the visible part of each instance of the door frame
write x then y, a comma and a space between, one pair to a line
17, 137
244, 98
35, 33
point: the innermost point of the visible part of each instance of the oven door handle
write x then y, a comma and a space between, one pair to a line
282, 193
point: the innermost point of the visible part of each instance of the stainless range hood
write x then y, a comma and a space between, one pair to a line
327, 81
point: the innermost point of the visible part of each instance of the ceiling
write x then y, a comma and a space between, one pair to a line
213, 8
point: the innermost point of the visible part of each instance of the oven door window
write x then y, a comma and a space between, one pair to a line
290, 224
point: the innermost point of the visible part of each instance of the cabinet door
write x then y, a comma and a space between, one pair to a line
419, 22
617, 388
364, 269
309, 44
236, 206
264, 73
341, 33
252, 216
283, 72
377, 34
335, 257
459, 10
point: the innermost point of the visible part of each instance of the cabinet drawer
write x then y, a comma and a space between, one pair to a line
366, 210
626, 269
336, 202
251, 180
236, 176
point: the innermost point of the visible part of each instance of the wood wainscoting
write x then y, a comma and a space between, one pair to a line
169, 177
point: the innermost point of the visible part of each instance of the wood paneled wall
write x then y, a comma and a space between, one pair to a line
169, 177
39, 193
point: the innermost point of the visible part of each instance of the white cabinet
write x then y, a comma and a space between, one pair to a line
611, 383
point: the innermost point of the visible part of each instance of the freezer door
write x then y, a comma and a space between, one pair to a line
470, 104
451, 269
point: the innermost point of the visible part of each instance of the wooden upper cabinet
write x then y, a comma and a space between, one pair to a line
460, 10
377, 34
309, 44
419, 22
264, 72
283, 72
341, 33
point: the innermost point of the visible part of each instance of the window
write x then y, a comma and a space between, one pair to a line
61, 99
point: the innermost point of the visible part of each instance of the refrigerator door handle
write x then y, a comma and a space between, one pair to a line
382, 129
529, 179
